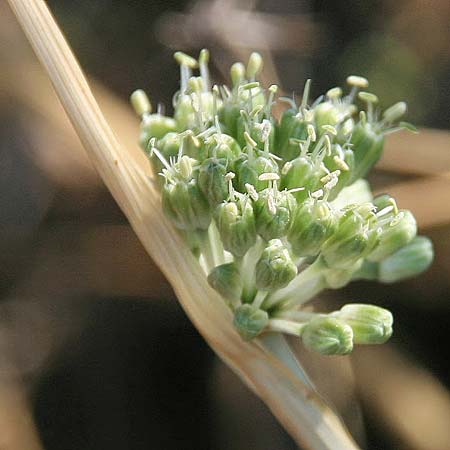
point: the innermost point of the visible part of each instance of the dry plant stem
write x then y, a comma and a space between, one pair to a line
17, 430
310, 422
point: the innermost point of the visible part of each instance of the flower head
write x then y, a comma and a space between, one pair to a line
261, 199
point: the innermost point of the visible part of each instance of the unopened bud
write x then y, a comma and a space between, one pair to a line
236, 224
275, 269
250, 321
312, 223
226, 280
185, 205
398, 232
328, 336
211, 180
407, 262
273, 211
370, 324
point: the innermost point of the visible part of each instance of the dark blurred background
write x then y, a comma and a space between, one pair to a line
89, 325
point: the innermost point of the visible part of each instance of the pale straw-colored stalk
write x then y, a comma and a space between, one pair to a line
301, 411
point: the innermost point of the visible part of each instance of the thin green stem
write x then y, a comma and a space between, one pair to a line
247, 266
216, 245
286, 326
259, 298
206, 251
298, 316
301, 289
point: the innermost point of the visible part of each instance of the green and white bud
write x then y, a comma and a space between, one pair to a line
353, 238
312, 223
211, 180
249, 169
236, 224
407, 262
250, 321
155, 126
275, 268
226, 280
184, 203
370, 324
221, 145
292, 126
397, 231
301, 172
367, 145
328, 336
273, 212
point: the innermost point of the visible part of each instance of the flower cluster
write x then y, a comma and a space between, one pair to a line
276, 209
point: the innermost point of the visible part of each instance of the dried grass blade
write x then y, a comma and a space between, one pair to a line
309, 421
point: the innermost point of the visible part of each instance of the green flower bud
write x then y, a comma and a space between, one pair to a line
248, 170
345, 131
182, 200
155, 125
370, 324
185, 205
407, 262
226, 280
301, 172
342, 160
328, 336
192, 109
367, 145
396, 233
273, 211
312, 223
236, 224
326, 114
211, 180
333, 111
229, 115
256, 131
292, 126
275, 268
353, 239
169, 147
221, 145
250, 321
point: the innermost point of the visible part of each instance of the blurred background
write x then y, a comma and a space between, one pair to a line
94, 347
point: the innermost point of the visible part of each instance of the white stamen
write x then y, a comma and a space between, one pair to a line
385, 211
251, 191
249, 140
329, 129
271, 204
286, 168
341, 163
317, 194
291, 191
311, 132
270, 176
